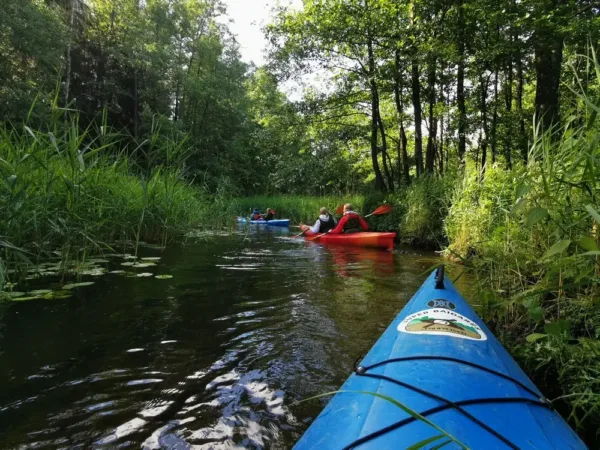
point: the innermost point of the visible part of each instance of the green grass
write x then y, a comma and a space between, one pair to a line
71, 192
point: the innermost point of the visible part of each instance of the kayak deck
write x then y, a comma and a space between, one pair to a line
439, 359
362, 239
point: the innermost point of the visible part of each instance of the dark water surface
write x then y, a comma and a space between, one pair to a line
215, 357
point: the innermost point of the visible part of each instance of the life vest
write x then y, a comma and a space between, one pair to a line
326, 225
352, 225
255, 216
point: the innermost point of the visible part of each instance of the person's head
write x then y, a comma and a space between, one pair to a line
324, 211
269, 210
348, 207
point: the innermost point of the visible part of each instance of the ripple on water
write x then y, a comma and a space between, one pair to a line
214, 360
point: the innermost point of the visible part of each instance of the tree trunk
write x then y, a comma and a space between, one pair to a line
69, 50
460, 87
508, 91
416, 100
548, 61
484, 121
521, 138
136, 105
384, 154
431, 140
379, 182
441, 143
403, 164
494, 140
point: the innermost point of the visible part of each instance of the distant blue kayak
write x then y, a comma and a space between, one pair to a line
271, 223
439, 359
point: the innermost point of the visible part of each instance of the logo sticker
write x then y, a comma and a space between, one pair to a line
442, 322
441, 303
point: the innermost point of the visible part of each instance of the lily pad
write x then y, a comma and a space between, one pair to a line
152, 258
117, 271
144, 274
94, 272
76, 285
140, 265
97, 261
127, 264
47, 273
40, 292
163, 277
29, 297
128, 256
52, 295
16, 294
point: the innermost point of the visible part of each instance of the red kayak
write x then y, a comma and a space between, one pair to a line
363, 239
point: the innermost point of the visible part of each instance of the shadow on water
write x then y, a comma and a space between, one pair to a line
214, 357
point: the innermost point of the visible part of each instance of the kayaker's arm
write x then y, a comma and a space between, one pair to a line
339, 229
316, 227
363, 223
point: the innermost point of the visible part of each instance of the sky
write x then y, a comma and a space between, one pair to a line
248, 16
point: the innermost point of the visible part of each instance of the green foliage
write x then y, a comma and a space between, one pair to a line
425, 204
72, 193
531, 235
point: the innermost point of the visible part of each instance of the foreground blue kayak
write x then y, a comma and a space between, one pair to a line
271, 223
439, 359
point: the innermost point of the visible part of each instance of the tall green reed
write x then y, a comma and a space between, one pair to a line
69, 191
531, 234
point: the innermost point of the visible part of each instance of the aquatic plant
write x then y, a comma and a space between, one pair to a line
71, 191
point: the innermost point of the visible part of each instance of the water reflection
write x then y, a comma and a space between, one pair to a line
214, 358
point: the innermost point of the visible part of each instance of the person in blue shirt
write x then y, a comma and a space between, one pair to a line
255, 214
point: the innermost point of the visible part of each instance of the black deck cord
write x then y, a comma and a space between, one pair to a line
455, 360
362, 371
448, 403
437, 409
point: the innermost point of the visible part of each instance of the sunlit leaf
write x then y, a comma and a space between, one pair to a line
593, 213
425, 442
557, 247
535, 337
76, 285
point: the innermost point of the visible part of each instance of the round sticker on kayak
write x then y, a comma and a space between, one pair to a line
442, 322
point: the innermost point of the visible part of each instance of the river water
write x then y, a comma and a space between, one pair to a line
215, 357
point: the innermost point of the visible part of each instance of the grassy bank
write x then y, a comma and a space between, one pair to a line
299, 209
531, 236
69, 193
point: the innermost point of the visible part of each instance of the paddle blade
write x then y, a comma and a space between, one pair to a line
383, 209
340, 210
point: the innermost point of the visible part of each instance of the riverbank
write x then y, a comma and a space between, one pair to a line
69, 194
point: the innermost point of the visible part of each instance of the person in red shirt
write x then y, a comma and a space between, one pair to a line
350, 223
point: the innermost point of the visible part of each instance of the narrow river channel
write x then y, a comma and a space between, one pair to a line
215, 357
